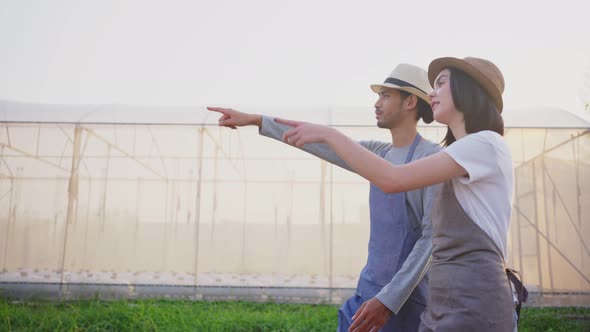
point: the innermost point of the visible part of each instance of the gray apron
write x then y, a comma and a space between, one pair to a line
469, 290
392, 238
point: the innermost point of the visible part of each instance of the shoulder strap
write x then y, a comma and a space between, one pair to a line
413, 147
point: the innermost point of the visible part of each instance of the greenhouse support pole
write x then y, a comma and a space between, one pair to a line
543, 176
331, 243
538, 237
8, 222
198, 203
72, 200
576, 155
322, 214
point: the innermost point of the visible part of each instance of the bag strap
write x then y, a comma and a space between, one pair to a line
522, 294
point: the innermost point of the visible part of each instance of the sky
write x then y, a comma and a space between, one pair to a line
284, 54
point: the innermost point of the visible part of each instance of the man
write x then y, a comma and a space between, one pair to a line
391, 291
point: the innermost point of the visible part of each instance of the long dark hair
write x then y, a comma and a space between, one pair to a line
479, 111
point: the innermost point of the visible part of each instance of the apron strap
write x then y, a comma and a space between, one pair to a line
413, 147
522, 293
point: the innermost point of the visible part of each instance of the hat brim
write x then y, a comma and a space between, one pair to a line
428, 117
437, 65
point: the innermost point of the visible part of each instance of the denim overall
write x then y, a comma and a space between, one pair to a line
392, 238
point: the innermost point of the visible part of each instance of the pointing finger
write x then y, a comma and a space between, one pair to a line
219, 110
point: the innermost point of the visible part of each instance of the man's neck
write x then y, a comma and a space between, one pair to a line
404, 136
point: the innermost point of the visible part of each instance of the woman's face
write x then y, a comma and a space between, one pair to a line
441, 98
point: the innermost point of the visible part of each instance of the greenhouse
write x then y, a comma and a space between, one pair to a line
132, 201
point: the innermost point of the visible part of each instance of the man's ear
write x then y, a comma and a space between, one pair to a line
411, 102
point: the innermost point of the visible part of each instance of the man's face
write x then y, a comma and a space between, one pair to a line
388, 108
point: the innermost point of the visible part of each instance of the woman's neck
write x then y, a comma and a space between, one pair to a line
458, 129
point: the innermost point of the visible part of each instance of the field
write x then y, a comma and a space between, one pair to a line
163, 315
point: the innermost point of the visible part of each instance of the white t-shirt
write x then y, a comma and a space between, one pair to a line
486, 193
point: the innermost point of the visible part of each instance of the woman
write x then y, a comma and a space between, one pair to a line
468, 285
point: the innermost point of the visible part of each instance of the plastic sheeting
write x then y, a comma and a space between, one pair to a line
198, 205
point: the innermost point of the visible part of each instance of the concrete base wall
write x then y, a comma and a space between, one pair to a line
335, 296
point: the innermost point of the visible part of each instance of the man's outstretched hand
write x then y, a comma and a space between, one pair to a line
371, 316
233, 119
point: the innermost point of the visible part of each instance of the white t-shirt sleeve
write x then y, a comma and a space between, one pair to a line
476, 153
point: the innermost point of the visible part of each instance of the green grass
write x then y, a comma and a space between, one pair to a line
160, 315
555, 319
163, 315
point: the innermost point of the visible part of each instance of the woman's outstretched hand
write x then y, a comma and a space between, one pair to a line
305, 133
233, 119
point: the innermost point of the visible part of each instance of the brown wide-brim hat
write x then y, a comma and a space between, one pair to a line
487, 74
411, 79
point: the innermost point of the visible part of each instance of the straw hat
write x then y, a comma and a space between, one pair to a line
483, 71
411, 79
